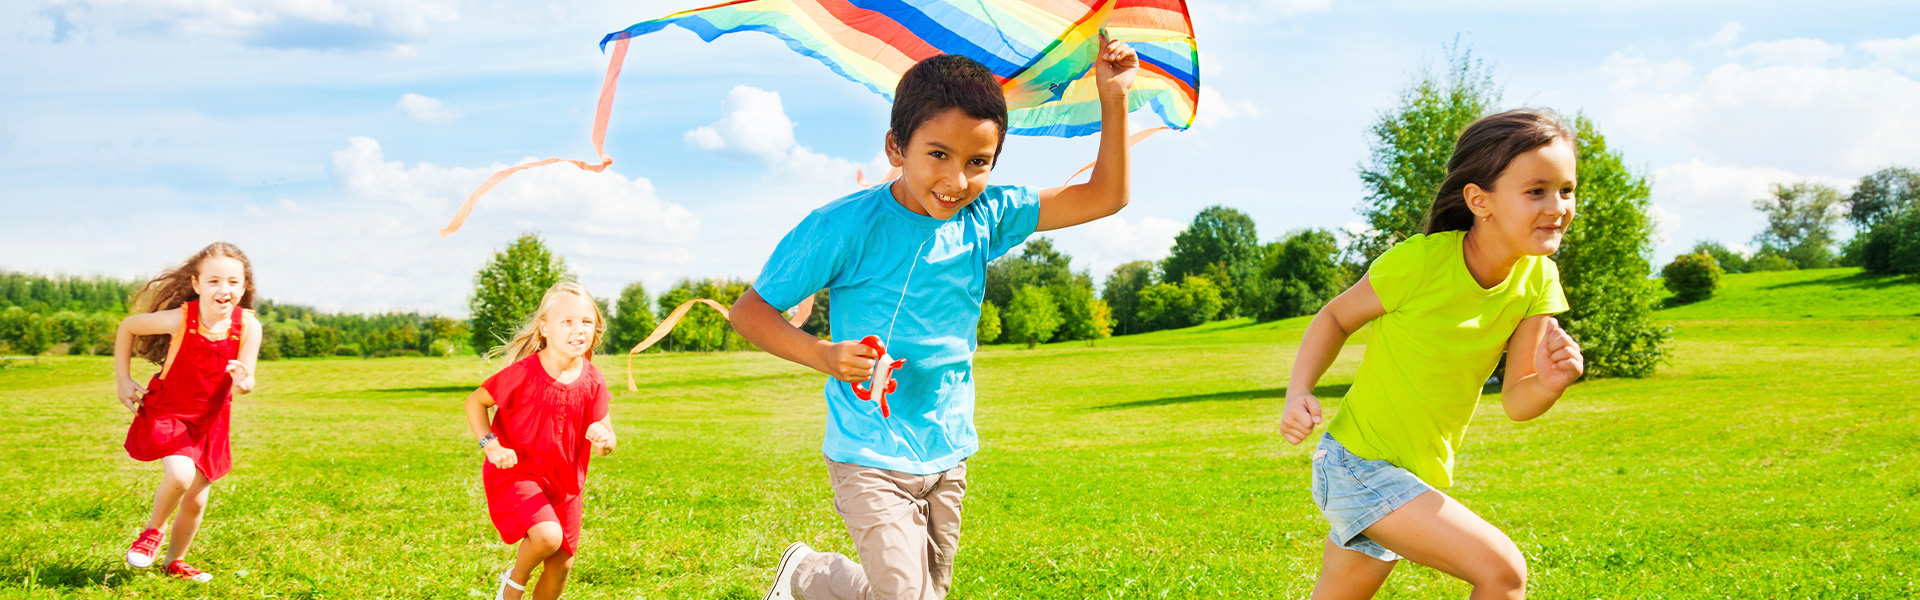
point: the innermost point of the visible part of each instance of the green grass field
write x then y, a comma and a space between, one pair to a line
1776, 455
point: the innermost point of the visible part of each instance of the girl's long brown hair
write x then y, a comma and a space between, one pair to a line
1483, 152
528, 341
174, 288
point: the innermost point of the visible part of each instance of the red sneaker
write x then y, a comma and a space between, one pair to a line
140, 556
181, 569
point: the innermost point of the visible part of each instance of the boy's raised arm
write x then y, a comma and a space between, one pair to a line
1107, 190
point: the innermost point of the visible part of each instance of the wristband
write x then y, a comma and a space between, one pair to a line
490, 437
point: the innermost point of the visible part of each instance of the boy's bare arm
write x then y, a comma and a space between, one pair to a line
1107, 191
761, 324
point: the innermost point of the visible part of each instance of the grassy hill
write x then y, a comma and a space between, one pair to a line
1775, 455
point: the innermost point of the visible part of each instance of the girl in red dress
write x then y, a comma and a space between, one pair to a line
550, 417
196, 321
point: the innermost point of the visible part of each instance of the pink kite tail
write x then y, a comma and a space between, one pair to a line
1136, 138
607, 86
800, 314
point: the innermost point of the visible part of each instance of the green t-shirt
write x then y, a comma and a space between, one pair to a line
1440, 338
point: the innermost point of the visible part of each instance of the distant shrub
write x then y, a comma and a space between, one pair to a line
390, 353
1692, 277
346, 351
1768, 259
1893, 245
989, 329
1032, 317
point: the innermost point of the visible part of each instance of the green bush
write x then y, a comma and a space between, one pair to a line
1769, 259
989, 328
1691, 277
1893, 245
1169, 306
1299, 275
346, 351
1032, 317
702, 329
393, 352
1077, 318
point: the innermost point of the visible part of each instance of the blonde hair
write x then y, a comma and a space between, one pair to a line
174, 288
528, 341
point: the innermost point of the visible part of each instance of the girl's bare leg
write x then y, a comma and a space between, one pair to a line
554, 578
193, 506
543, 539
1349, 575
1439, 532
176, 475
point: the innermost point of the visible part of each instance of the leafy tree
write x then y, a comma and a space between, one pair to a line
1300, 274
1800, 221
1122, 293
321, 340
1076, 310
631, 321
87, 333
1605, 263
29, 333
1102, 321
1770, 259
508, 289
1893, 245
1884, 194
989, 322
702, 329
1032, 317
1038, 264
284, 340
819, 323
1170, 306
1220, 242
1729, 261
1412, 143
1691, 277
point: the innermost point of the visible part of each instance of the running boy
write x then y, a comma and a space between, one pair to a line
907, 262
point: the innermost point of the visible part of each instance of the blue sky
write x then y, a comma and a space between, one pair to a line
330, 138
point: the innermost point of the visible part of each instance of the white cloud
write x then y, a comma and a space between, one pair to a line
1822, 120
584, 202
1698, 200
1897, 54
755, 126
426, 110
1103, 244
318, 24
1797, 52
1215, 108
1725, 37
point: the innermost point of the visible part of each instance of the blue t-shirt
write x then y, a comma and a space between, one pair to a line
861, 249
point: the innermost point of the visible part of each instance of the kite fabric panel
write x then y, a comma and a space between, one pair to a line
1042, 50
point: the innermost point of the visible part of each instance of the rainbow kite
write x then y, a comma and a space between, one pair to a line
1042, 50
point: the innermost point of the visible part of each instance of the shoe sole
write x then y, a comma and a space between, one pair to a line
139, 561
785, 558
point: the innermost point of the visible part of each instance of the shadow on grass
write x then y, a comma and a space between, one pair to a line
69, 575
438, 389
1323, 392
1860, 280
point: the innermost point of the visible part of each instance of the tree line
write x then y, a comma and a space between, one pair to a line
79, 315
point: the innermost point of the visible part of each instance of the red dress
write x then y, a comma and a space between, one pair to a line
545, 423
184, 412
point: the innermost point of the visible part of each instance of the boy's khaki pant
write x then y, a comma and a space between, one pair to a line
905, 527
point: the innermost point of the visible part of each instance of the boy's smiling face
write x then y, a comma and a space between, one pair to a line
945, 164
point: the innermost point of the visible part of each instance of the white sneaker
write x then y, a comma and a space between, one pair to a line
783, 576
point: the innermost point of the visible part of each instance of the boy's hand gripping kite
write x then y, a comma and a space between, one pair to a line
882, 383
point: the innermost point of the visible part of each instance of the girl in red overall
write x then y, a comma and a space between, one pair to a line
550, 417
196, 321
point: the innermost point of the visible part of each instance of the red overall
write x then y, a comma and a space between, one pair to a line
184, 412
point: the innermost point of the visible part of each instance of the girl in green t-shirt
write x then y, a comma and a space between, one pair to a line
1445, 305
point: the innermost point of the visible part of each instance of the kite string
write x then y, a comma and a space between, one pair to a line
903, 288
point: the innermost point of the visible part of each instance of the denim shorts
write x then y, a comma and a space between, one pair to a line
1354, 493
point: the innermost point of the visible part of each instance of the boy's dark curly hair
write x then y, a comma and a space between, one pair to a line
946, 82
